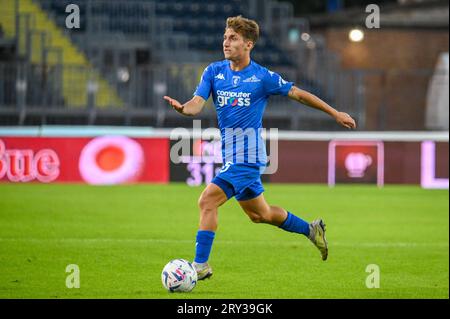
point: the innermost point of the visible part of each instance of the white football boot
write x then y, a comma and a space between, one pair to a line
204, 270
317, 237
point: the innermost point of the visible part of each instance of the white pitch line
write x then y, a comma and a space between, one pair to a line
220, 242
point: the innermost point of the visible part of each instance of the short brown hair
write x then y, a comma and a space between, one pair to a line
247, 28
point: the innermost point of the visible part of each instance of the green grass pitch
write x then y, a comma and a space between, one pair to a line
121, 237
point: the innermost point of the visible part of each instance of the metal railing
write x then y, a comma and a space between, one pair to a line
25, 87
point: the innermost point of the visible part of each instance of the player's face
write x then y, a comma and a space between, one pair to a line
234, 45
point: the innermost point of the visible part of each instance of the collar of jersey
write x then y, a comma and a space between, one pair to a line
244, 70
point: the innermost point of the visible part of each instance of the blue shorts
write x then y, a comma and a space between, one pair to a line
240, 180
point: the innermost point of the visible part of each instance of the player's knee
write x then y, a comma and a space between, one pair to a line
205, 203
255, 217
202, 202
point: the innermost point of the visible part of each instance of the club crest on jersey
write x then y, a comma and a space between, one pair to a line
236, 80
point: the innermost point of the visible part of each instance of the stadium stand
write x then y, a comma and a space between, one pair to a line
125, 55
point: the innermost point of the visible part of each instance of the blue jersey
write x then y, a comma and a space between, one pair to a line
240, 98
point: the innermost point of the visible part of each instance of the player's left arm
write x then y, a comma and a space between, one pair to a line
311, 100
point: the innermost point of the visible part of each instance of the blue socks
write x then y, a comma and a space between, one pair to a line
203, 245
205, 238
295, 224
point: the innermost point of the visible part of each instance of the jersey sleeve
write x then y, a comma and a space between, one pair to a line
274, 84
205, 86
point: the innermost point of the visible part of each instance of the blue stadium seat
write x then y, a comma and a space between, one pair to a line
203, 21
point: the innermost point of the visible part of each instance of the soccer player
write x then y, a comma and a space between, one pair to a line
240, 89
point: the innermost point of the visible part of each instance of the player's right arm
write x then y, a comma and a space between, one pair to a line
203, 91
190, 108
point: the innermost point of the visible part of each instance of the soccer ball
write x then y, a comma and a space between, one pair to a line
179, 275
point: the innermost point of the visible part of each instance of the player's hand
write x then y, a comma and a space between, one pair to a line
345, 120
175, 104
